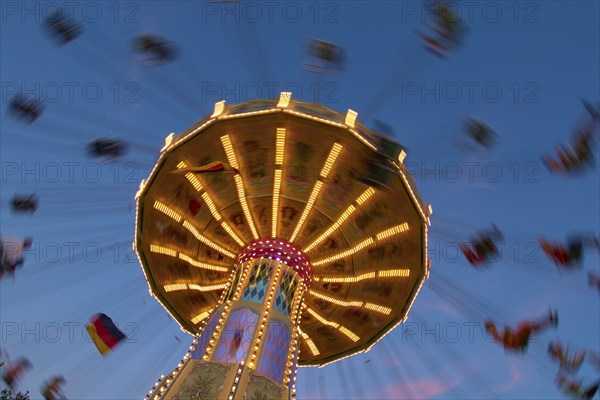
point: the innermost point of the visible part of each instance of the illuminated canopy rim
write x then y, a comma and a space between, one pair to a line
354, 300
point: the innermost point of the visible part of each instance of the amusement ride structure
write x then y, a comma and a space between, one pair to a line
280, 234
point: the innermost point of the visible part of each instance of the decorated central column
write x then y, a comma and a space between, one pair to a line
250, 342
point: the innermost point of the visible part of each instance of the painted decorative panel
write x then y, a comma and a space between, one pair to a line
236, 338
275, 351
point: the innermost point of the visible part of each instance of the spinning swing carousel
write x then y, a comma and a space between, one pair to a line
280, 234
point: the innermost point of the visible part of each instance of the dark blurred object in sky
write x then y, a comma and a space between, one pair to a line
110, 148
23, 108
326, 58
24, 203
447, 31
154, 49
62, 27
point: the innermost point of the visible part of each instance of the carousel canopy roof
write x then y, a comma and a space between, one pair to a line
303, 173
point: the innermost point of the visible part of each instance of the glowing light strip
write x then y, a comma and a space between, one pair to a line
191, 177
279, 153
229, 151
390, 273
349, 252
309, 342
360, 200
162, 250
394, 272
202, 265
163, 208
331, 229
226, 141
392, 231
280, 146
339, 327
242, 196
381, 235
347, 279
193, 286
200, 317
175, 287
331, 158
365, 196
207, 241
232, 234
349, 333
307, 208
321, 319
336, 301
378, 308
370, 306
276, 191
173, 253
184, 286
211, 205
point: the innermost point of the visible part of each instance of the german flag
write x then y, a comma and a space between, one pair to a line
104, 333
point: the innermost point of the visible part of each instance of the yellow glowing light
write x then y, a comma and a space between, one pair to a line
219, 107
207, 241
403, 273
280, 146
167, 211
175, 286
360, 200
276, 191
321, 319
242, 197
232, 234
168, 142
193, 262
211, 206
341, 328
162, 250
365, 196
349, 333
331, 158
336, 301
392, 231
394, 272
208, 288
402, 156
226, 141
370, 306
351, 118
309, 342
349, 252
284, 99
346, 279
200, 317
378, 308
307, 208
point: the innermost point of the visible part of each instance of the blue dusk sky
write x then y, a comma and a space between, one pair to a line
523, 68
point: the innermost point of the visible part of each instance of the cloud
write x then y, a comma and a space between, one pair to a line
516, 378
423, 389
